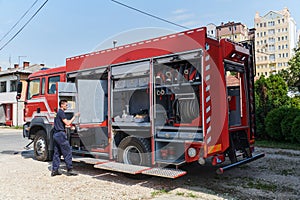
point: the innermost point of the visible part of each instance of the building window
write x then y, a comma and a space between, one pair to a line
265, 33
271, 31
279, 47
287, 55
229, 28
3, 86
282, 20
286, 29
279, 55
271, 23
258, 74
279, 21
272, 57
286, 46
266, 73
286, 38
13, 86
278, 39
261, 24
265, 24
52, 84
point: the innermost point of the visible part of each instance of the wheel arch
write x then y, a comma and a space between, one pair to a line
41, 123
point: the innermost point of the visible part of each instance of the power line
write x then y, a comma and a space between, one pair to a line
24, 25
19, 20
145, 13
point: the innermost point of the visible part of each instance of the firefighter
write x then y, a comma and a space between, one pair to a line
61, 143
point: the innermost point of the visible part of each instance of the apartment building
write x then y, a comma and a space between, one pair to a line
11, 110
235, 31
275, 39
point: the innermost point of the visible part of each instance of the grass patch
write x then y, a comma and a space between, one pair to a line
159, 192
180, 193
273, 144
191, 195
262, 186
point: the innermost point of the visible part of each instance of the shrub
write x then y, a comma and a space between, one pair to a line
273, 123
296, 129
287, 123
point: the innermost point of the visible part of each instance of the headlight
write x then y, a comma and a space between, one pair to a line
192, 152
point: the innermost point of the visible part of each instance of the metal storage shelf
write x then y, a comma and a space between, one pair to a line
177, 162
178, 85
180, 128
176, 140
130, 89
131, 124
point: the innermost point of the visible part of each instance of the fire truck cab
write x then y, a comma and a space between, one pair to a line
166, 101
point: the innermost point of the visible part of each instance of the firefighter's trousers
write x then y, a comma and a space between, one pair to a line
61, 147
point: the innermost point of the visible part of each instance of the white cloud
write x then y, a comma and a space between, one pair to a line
182, 17
179, 11
191, 23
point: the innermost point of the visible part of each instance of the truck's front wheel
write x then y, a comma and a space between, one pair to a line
41, 152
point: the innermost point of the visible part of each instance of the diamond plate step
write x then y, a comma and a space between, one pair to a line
92, 161
165, 172
121, 167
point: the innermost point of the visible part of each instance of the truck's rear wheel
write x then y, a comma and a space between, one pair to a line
41, 152
134, 151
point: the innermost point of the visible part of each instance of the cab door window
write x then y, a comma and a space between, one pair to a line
52, 84
43, 86
33, 88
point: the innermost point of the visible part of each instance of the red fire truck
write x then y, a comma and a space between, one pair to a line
166, 101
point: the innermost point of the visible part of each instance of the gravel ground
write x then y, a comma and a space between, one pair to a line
276, 176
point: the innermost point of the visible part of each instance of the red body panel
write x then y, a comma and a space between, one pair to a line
184, 41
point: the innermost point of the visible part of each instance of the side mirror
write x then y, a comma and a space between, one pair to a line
19, 90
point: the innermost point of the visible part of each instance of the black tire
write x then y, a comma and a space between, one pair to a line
134, 151
41, 152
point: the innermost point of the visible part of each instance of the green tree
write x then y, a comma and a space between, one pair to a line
292, 74
271, 93
296, 129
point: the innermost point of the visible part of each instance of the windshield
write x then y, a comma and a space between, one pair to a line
33, 88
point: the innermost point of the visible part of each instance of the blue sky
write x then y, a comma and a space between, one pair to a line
66, 28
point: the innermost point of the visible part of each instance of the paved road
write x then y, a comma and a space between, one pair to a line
275, 176
12, 140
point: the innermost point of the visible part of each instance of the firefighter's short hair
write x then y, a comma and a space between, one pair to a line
61, 102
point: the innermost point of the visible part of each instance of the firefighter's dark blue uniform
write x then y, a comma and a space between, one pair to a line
61, 143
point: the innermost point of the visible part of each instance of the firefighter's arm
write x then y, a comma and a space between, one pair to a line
69, 122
